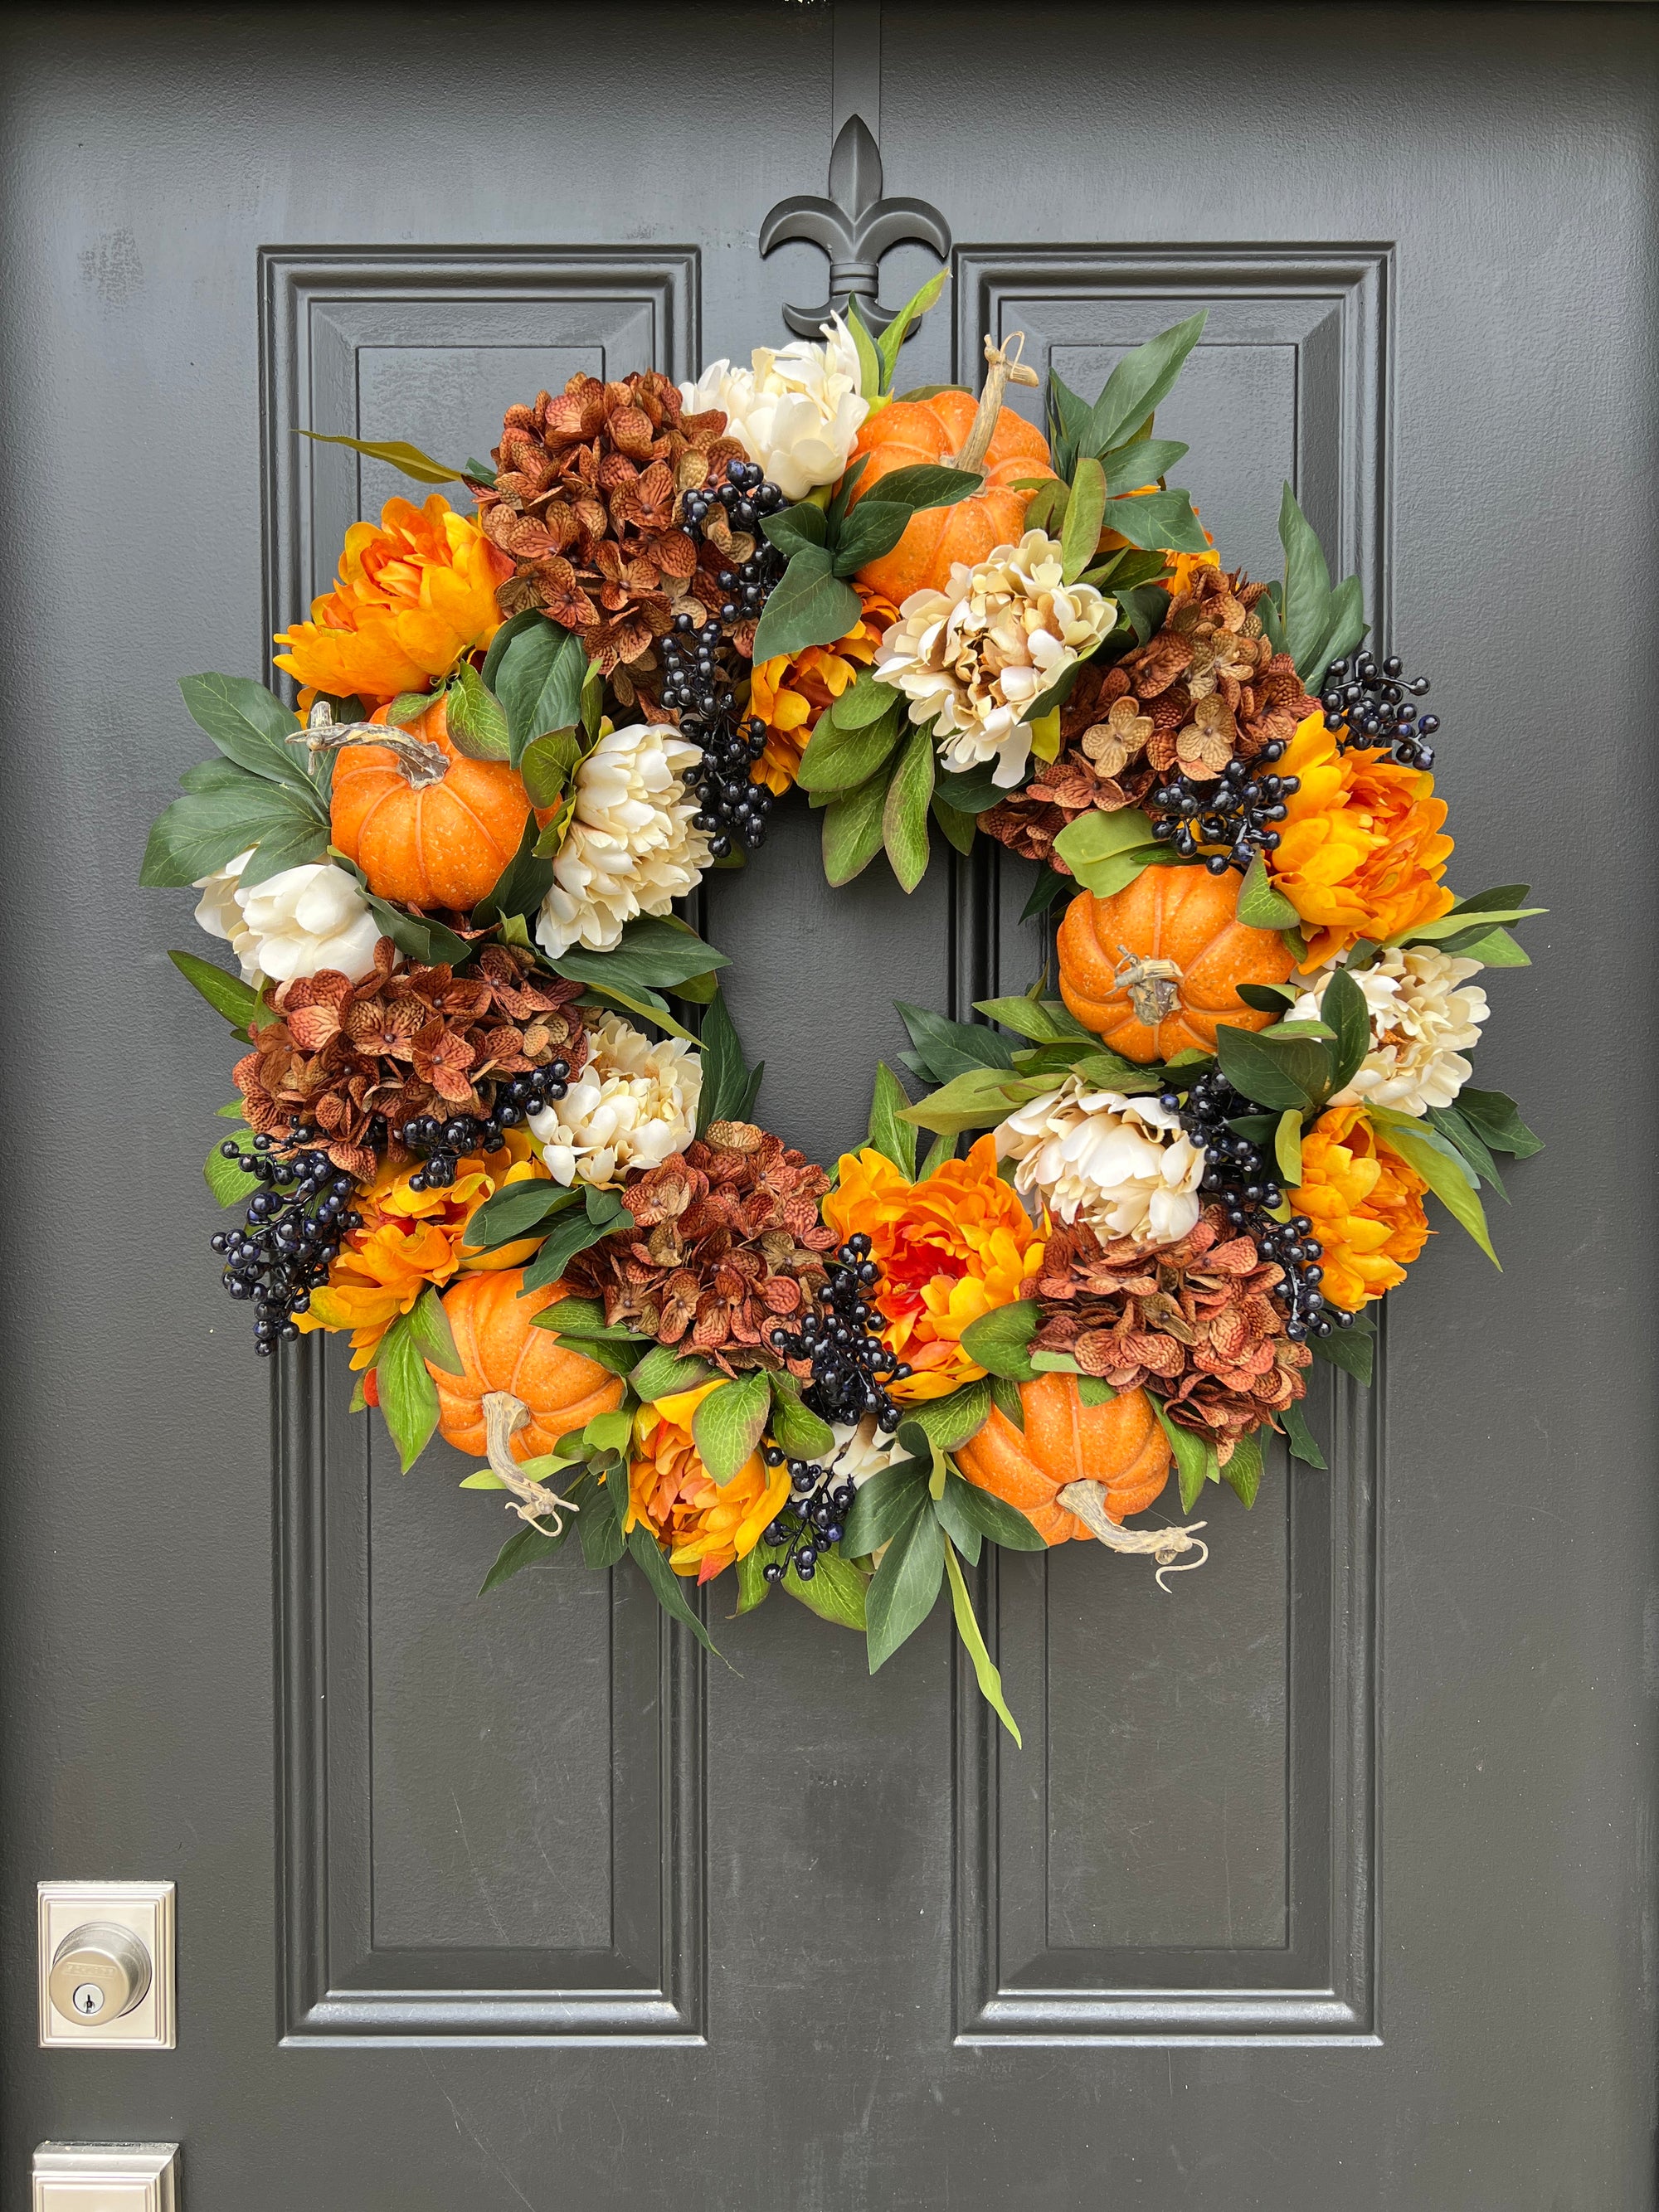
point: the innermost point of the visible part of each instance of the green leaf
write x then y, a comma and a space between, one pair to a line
653, 956
901, 1593
1144, 462
292, 844
947, 1048
474, 718
949, 1422
250, 726
1344, 1008
229, 1182
1319, 625
407, 706
549, 763
1293, 1073
409, 1399
874, 527
959, 829
582, 1320
1300, 1438
839, 758
888, 345
992, 1515
1244, 1470
975, 1101
753, 1589
663, 1373
1081, 534
1287, 1147
1094, 1390
1140, 383
727, 1427
904, 814
203, 830
929, 484
522, 884
725, 1071
795, 1426
1194, 1456
574, 1232
1000, 1341
1492, 948
528, 1547
1259, 906
864, 701
1160, 519
835, 1592
429, 942
1446, 1174
836, 513
810, 606
429, 1325
665, 1583
968, 1628
965, 1533
1005, 1396
869, 369
1045, 1021
1068, 419
539, 681
852, 829
600, 1528
408, 460
941, 1149
1450, 926
894, 1138
1107, 852
795, 528
239, 1002
1351, 1349
518, 1211
1049, 886
1498, 1121
1050, 504
883, 1505
970, 791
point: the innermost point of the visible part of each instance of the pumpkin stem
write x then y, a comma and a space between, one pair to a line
1088, 1501
504, 1416
1006, 368
1154, 986
422, 761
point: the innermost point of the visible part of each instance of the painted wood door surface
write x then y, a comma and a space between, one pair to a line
1326, 1880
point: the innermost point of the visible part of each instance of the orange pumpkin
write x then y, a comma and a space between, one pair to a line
1120, 1445
1156, 967
422, 842
559, 1390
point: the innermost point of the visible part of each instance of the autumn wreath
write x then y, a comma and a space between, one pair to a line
493, 1121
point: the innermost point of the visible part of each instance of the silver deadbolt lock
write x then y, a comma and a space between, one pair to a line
99, 1971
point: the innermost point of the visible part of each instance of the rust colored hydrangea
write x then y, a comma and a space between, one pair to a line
726, 1243
1195, 1321
347, 1063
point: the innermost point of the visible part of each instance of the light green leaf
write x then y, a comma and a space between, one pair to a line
870, 367
727, 1427
1244, 1470
888, 345
664, 1372
1287, 1147
968, 1628
1141, 383
1194, 1456
1158, 520
796, 1427
539, 681
408, 460
229, 1182
1259, 906
975, 1101
835, 1591
1045, 1021
1000, 1341
883, 1505
474, 718
810, 606
648, 1556
409, 1399
1081, 534
864, 701
1300, 1438
892, 1136
949, 1422
852, 829
839, 758
1144, 462
1447, 1176
250, 726
239, 1002
1098, 848
905, 1585
905, 815
428, 1324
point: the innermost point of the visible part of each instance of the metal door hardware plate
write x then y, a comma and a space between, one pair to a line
105, 1969
107, 2178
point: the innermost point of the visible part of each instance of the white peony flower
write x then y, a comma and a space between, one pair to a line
631, 848
632, 1105
1124, 1165
1423, 1018
796, 412
861, 1452
220, 913
979, 654
294, 924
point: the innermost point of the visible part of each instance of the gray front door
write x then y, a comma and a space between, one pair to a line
1326, 1882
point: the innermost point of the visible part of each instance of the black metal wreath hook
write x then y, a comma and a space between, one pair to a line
856, 227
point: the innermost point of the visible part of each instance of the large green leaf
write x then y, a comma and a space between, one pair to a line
993, 1516
1000, 1341
239, 1002
794, 1427
892, 1137
795, 528
852, 829
1045, 1021
527, 1548
883, 1505
518, 1211
1080, 534
1194, 1456
1497, 1119
968, 1628
811, 605
1260, 906
865, 699
1319, 625
888, 345
653, 956
949, 1422
1288, 1072
727, 1427
1141, 383
409, 1400
904, 814
946, 1048
1244, 1470
839, 757
671, 1596
1343, 1007
1352, 1349
397, 453
1147, 461
250, 726
902, 1591
665, 1372
228, 1181
522, 885
1446, 1173
573, 1232
835, 1591
1163, 519
725, 1071
1300, 1438
205, 829
539, 681
1107, 852
476, 719
975, 1101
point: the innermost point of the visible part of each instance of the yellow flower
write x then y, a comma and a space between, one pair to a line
411, 598
703, 1528
1360, 854
949, 1247
789, 693
1365, 1204
410, 1238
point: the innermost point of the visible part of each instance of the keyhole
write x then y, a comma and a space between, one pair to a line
87, 1999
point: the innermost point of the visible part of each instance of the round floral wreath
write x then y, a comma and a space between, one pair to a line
474, 1132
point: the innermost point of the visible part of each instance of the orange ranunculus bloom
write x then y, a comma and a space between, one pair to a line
411, 598
1365, 1204
950, 1248
413, 1237
702, 1527
789, 693
1360, 854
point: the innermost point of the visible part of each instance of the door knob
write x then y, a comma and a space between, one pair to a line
99, 1971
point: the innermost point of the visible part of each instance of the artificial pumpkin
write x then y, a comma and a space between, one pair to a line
1120, 1444
1156, 968
951, 429
559, 1390
426, 829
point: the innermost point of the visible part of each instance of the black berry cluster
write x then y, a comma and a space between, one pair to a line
1371, 703
813, 1519
747, 498
291, 1233
700, 690
440, 1144
1239, 808
1243, 1179
851, 1365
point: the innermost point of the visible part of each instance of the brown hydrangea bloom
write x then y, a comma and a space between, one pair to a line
1194, 1320
725, 1245
1205, 689
346, 1064
584, 505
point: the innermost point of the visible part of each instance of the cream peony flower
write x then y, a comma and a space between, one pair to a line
631, 848
1125, 1165
632, 1105
294, 924
796, 412
1423, 1018
861, 1452
980, 654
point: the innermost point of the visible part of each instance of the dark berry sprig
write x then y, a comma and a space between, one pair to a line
1242, 1179
851, 1365
700, 689
1239, 808
1371, 703
747, 498
814, 1518
440, 1144
290, 1235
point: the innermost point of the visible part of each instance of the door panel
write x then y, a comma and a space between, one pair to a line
1321, 1881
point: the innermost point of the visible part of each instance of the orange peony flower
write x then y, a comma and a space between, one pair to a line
413, 1237
411, 598
1360, 854
703, 1528
789, 693
950, 1248
1365, 1204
